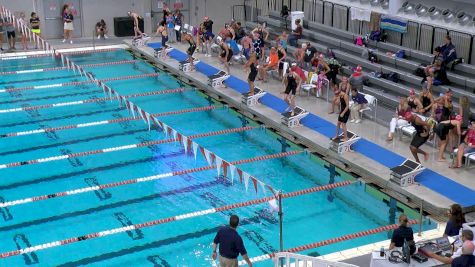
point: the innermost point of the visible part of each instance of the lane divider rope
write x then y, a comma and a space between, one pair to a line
329, 241
88, 101
120, 148
140, 180
65, 67
78, 83
57, 54
97, 123
163, 221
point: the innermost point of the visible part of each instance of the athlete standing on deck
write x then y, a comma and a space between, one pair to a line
343, 116
136, 17
252, 65
292, 81
191, 49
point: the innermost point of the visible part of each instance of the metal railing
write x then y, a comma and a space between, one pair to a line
288, 259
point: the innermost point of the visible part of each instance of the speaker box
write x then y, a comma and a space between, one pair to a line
124, 26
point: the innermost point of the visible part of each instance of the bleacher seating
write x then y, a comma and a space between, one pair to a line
349, 53
341, 42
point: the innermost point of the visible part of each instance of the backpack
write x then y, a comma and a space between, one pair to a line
375, 36
359, 41
384, 37
394, 77
330, 53
401, 53
372, 57
420, 72
456, 62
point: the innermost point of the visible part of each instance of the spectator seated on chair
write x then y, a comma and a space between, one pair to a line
448, 51
467, 145
319, 64
357, 78
283, 39
463, 256
299, 55
399, 119
101, 29
359, 102
296, 34
273, 64
436, 75
413, 101
310, 52
427, 101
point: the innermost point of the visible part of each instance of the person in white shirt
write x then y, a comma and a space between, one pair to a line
467, 235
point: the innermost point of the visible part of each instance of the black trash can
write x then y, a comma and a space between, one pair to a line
124, 26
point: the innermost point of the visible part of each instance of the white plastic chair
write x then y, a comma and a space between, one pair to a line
186, 27
307, 87
372, 104
468, 157
284, 68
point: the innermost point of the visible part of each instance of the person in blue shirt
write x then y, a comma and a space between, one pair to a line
359, 102
230, 245
448, 51
456, 219
233, 45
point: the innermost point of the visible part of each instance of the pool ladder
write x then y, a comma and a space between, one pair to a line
288, 259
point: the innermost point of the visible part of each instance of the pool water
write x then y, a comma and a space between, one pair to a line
309, 218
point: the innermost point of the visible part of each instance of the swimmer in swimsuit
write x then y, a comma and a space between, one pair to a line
136, 17
252, 65
191, 49
226, 54
292, 82
343, 116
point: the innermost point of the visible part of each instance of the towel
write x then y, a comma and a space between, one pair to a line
360, 14
393, 24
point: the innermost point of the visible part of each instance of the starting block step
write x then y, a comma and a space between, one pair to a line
405, 174
141, 41
216, 80
159, 52
294, 120
252, 100
340, 146
185, 66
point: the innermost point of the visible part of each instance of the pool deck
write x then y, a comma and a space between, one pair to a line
369, 170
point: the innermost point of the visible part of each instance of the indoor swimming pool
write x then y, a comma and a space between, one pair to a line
58, 132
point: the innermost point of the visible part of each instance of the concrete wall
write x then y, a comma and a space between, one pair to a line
93, 10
